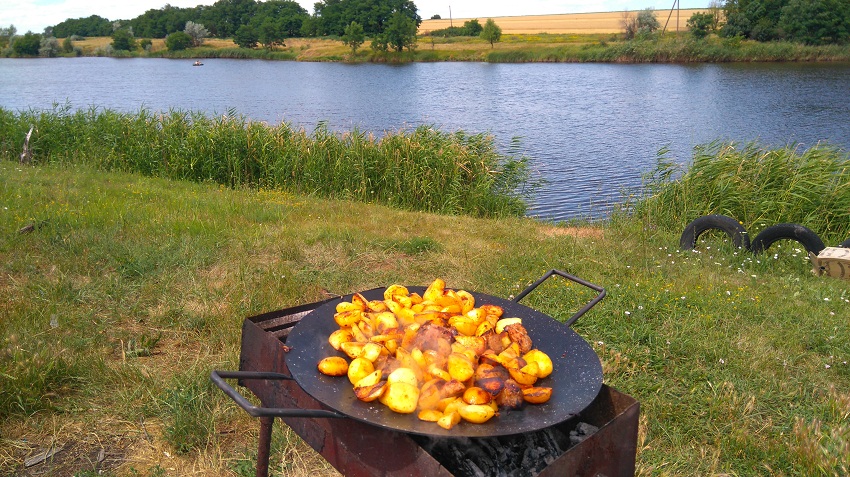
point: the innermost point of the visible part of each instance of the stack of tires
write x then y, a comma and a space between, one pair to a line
741, 239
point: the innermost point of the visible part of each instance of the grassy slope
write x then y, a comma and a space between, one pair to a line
740, 365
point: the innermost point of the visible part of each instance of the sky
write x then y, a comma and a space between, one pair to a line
35, 15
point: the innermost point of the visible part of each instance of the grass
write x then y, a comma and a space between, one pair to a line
739, 362
422, 169
759, 186
605, 47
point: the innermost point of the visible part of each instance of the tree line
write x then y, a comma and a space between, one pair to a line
225, 17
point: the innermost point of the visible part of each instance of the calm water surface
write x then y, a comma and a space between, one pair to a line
591, 130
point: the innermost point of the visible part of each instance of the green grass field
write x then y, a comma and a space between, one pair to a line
120, 292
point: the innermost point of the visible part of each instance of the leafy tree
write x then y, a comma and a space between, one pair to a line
90, 26
332, 16
643, 24
6, 35
197, 32
400, 32
163, 22
472, 27
26, 45
436, 17
700, 24
146, 44
491, 32
270, 33
756, 19
816, 22
647, 22
178, 40
354, 36
123, 39
67, 45
49, 47
289, 15
246, 37
224, 17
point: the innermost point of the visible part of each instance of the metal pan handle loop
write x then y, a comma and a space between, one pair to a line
573, 278
218, 377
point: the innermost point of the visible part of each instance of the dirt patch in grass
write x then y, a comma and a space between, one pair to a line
577, 232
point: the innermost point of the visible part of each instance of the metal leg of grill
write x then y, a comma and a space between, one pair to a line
264, 446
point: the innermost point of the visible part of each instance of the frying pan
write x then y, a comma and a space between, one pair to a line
575, 381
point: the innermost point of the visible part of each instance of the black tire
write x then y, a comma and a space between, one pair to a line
727, 224
806, 237
845, 244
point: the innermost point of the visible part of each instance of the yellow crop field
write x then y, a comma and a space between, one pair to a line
604, 22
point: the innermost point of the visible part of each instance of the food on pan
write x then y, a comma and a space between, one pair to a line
436, 355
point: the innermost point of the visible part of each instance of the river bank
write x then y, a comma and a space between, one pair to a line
513, 48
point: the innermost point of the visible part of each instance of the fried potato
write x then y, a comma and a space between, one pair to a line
358, 369
537, 395
504, 322
333, 366
340, 336
448, 421
544, 362
430, 415
460, 367
476, 413
476, 395
370, 393
403, 375
348, 318
401, 397
437, 354
370, 379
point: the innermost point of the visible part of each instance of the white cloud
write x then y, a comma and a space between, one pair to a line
35, 15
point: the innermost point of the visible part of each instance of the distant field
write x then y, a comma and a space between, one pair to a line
605, 22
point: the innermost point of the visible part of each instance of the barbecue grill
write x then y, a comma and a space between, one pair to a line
587, 428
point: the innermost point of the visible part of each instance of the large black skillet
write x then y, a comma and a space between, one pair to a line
575, 381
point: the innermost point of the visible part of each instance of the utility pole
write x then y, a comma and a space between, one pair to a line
676, 6
450, 16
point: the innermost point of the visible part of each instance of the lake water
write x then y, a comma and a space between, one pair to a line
591, 130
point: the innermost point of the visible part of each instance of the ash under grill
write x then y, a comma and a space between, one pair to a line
600, 441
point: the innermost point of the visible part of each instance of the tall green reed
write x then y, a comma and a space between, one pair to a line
758, 185
421, 169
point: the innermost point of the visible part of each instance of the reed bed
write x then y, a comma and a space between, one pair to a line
421, 169
670, 49
759, 186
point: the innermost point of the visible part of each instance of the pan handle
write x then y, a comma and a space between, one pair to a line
574, 278
218, 377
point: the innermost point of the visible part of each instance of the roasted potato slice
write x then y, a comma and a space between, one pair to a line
403, 375
504, 322
333, 366
460, 367
476, 413
401, 397
348, 318
430, 415
340, 336
358, 369
476, 395
448, 421
544, 362
537, 395
370, 393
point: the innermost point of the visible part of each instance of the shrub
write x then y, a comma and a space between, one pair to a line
700, 24
178, 41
